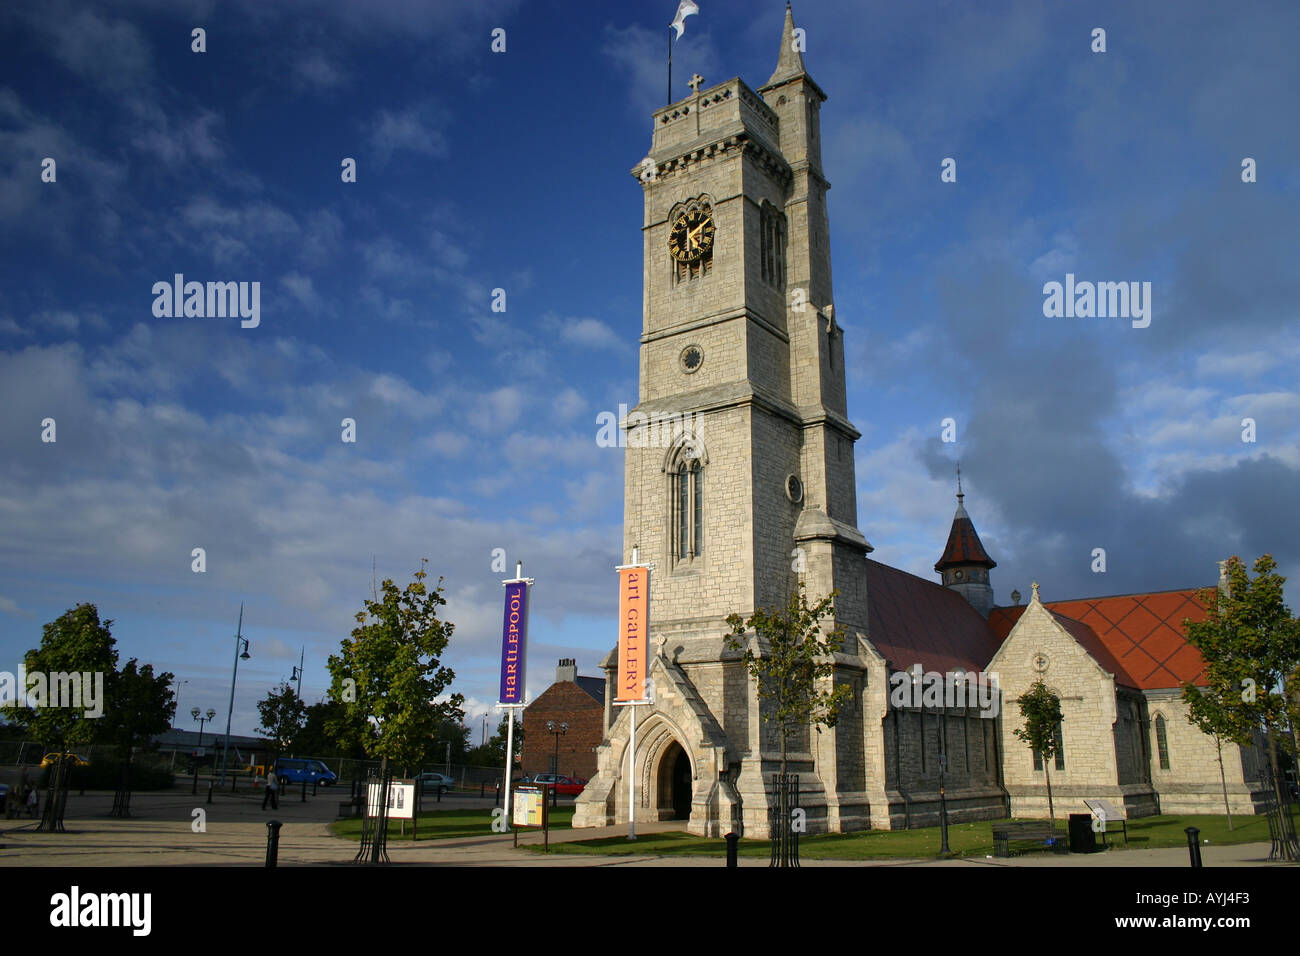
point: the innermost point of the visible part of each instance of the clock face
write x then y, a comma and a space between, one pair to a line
691, 236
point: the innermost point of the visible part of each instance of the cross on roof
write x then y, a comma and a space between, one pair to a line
695, 82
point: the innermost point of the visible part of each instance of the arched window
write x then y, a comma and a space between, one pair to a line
771, 255
686, 474
683, 511
1060, 751
697, 519
1162, 742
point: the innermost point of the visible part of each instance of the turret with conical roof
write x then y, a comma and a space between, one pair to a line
965, 565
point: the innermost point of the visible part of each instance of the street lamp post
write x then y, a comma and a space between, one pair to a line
557, 731
241, 645
943, 805
176, 697
202, 718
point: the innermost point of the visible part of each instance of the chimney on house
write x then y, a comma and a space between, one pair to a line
568, 670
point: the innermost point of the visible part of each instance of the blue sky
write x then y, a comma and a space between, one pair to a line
476, 429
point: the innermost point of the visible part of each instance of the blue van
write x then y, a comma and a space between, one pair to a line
301, 769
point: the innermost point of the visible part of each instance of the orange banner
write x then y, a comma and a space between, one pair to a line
633, 632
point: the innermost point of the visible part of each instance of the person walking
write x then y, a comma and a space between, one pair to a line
272, 790
33, 801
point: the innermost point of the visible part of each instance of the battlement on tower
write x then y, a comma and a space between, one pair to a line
714, 114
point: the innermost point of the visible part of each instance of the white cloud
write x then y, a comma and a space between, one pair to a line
416, 129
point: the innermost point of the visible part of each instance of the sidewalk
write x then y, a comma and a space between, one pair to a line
160, 834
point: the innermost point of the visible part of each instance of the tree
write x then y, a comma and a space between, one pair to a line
318, 737
140, 706
794, 666
1042, 712
77, 642
1208, 712
1250, 644
493, 753
388, 673
450, 732
283, 715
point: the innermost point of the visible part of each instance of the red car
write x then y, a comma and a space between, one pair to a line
564, 786
570, 786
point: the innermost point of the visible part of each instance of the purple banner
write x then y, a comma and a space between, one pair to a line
514, 631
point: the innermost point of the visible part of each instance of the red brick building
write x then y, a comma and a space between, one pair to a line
573, 700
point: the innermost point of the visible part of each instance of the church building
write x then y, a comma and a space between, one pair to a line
749, 491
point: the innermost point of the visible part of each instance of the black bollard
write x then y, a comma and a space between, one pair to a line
1194, 845
304, 791
233, 778
440, 793
195, 789
313, 787
496, 797
733, 841
272, 841
210, 786
481, 785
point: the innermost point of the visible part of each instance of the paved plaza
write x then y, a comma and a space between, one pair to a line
159, 834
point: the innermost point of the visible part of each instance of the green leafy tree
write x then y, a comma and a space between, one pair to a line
794, 665
12, 725
1042, 712
1207, 711
493, 753
388, 674
450, 744
76, 642
1250, 643
318, 739
283, 715
141, 705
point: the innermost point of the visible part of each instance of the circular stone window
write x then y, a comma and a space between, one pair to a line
1040, 662
959, 575
794, 489
692, 358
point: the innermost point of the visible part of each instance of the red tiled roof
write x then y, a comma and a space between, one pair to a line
1142, 634
964, 545
914, 621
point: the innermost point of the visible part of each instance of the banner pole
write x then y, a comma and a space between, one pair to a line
631, 779
513, 696
510, 757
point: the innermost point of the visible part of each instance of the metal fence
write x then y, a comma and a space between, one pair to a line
15, 754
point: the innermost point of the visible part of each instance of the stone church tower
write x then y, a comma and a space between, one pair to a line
739, 480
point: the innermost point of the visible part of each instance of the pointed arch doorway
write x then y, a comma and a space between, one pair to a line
674, 783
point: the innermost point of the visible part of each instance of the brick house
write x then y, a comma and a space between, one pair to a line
573, 700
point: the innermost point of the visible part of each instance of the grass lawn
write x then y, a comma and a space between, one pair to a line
444, 824
964, 839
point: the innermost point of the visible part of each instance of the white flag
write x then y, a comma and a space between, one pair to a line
684, 10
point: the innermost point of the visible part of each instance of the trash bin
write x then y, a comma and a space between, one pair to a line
1082, 838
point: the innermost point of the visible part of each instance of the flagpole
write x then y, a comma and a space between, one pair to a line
670, 66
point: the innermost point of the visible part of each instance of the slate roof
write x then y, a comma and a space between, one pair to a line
1138, 637
914, 621
964, 545
595, 686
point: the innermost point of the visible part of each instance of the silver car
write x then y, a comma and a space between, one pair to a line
430, 782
